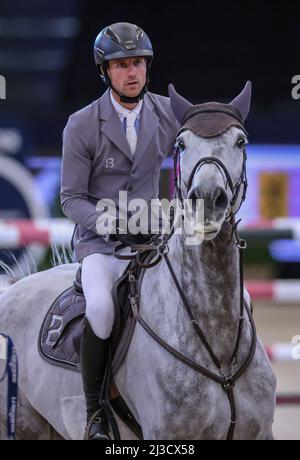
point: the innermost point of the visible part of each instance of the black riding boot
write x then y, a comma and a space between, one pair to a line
93, 362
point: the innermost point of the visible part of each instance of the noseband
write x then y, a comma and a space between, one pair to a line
235, 189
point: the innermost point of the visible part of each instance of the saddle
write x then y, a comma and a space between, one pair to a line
60, 333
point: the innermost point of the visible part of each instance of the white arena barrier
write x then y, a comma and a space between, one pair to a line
278, 291
15, 233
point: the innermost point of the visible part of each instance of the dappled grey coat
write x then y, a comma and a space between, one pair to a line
97, 163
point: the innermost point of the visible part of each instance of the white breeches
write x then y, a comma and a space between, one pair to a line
99, 273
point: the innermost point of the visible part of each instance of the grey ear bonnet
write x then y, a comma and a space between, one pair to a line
211, 118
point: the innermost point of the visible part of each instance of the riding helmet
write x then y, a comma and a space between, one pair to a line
121, 40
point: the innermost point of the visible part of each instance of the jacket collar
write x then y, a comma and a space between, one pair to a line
111, 126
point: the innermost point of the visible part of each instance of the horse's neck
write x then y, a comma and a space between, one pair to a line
210, 281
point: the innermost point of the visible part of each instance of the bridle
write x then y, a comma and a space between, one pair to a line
238, 190
159, 245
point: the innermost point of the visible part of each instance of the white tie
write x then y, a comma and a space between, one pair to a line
130, 130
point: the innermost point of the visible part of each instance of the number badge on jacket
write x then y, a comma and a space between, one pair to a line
109, 163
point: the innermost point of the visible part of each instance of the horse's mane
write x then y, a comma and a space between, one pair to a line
61, 255
18, 271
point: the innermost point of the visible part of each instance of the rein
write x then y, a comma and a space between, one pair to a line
227, 382
161, 248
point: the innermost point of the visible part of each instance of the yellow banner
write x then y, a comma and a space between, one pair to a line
273, 195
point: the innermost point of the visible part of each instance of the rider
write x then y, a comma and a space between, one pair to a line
116, 143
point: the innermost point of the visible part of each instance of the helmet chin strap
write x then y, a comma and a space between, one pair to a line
131, 100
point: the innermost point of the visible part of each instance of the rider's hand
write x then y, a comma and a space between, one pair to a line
120, 229
130, 240
122, 234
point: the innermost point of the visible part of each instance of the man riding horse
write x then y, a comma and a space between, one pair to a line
116, 143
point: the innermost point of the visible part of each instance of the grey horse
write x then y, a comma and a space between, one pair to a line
169, 398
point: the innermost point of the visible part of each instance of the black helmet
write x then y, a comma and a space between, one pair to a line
121, 40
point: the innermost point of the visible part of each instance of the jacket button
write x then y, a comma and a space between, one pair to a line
129, 188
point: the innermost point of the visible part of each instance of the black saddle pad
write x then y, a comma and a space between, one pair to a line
61, 330
60, 333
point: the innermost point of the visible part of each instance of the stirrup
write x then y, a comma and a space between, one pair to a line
97, 427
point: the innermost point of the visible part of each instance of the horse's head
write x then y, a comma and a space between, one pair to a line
211, 155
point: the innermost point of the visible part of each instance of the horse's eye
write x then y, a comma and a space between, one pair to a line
241, 142
181, 145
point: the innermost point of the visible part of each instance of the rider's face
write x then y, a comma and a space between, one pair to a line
128, 75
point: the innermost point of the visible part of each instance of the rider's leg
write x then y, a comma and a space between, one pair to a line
99, 271
93, 361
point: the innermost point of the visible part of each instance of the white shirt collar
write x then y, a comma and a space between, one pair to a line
122, 111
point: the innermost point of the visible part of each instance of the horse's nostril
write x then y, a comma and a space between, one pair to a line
220, 198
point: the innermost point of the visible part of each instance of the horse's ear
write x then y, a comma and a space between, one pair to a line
243, 100
179, 105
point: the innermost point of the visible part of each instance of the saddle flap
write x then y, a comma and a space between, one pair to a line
61, 329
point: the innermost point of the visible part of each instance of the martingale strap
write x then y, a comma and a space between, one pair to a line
8, 352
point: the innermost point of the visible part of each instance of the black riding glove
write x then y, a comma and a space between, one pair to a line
122, 234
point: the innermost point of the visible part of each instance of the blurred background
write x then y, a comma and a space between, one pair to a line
208, 51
